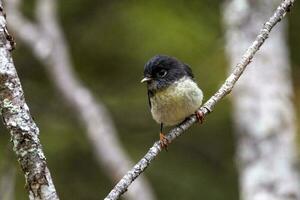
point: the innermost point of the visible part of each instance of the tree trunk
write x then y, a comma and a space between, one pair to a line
264, 114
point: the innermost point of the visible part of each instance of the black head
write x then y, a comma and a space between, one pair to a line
161, 71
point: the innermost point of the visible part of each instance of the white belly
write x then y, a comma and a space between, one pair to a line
173, 104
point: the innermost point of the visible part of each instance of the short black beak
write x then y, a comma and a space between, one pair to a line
146, 79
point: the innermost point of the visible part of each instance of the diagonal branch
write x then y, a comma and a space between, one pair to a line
17, 119
51, 48
208, 107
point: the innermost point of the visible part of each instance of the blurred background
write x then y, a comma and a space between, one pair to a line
109, 43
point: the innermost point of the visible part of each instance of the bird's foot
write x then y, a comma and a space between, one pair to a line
164, 142
200, 116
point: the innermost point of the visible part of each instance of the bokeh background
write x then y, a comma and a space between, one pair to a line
110, 41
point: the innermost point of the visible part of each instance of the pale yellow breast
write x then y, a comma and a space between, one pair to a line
173, 104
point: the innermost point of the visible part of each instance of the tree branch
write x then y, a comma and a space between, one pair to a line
208, 107
17, 119
51, 48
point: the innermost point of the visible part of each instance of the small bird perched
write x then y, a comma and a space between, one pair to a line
173, 93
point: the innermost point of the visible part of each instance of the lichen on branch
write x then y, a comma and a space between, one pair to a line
17, 119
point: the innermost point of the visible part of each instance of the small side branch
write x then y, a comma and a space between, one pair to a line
208, 107
17, 119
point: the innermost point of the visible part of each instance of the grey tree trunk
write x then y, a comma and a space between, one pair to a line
264, 114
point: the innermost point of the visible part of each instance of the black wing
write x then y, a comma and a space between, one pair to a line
150, 94
188, 70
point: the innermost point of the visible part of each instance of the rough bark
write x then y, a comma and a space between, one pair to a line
263, 110
48, 44
208, 107
17, 119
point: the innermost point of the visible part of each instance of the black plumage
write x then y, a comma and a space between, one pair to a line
160, 64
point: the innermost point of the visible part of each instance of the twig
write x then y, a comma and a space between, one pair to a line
208, 107
17, 119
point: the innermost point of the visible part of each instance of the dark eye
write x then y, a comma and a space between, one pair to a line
162, 73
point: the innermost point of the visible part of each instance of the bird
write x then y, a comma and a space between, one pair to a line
173, 93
